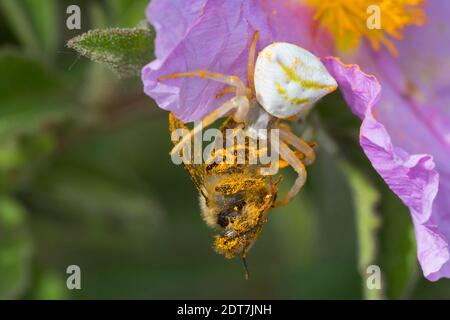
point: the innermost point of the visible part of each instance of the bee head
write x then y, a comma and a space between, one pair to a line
230, 214
241, 201
237, 245
241, 225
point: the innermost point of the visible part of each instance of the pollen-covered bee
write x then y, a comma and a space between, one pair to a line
283, 83
234, 197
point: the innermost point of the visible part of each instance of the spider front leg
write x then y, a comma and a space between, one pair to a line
239, 103
291, 158
232, 81
225, 91
299, 144
251, 62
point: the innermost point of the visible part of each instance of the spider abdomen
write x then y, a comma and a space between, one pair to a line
289, 79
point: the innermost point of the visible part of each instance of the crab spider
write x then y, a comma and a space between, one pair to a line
285, 81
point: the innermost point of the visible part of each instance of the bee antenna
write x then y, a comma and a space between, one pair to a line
244, 263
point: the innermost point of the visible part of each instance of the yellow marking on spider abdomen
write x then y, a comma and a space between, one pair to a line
307, 84
286, 97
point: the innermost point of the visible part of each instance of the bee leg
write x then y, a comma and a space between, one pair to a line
238, 103
251, 62
289, 156
232, 81
244, 263
301, 145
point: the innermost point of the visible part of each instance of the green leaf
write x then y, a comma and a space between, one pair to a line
17, 154
398, 247
22, 75
128, 13
105, 202
124, 50
97, 15
44, 17
365, 199
31, 95
397, 251
14, 12
334, 247
15, 249
35, 24
48, 285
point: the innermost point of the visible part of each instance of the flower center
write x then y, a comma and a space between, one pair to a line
349, 21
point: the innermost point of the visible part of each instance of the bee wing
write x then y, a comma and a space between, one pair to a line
196, 171
229, 123
196, 174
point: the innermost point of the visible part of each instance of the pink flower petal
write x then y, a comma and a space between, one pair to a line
414, 109
411, 176
215, 35
200, 34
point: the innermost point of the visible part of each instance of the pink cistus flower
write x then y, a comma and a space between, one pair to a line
405, 130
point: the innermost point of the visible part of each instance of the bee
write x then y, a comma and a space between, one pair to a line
283, 84
234, 197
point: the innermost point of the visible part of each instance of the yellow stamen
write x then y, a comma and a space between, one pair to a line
347, 20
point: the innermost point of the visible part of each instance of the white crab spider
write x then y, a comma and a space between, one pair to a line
285, 81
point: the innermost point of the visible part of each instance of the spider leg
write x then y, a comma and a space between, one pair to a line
225, 91
283, 164
233, 81
299, 144
289, 156
251, 63
239, 103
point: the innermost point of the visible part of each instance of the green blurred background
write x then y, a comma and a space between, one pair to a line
86, 179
